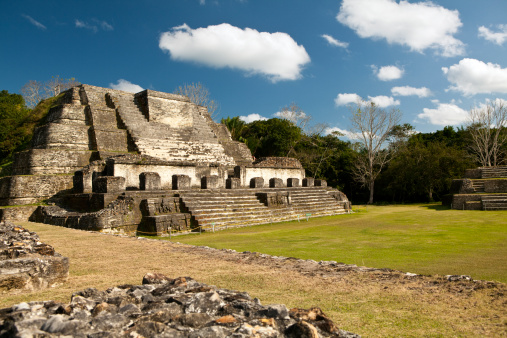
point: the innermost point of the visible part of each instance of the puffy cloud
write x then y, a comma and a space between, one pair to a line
275, 55
420, 26
346, 98
384, 101
471, 76
444, 115
252, 117
381, 100
333, 42
33, 21
346, 133
126, 86
388, 73
410, 91
496, 37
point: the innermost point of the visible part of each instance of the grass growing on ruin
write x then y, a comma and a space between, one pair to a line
424, 239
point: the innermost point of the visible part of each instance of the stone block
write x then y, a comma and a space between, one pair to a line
275, 182
149, 181
292, 182
257, 182
320, 183
308, 182
181, 182
210, 182
160, 225
109, 184
233, 183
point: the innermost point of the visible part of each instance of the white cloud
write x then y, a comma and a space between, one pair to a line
346, 133
252, 117
33, 21
333, 42
381, 100
346, 98
409, 91
471, 76
126, 86
384, 101
95, 26
444, 115
420, 26
275, 55
496, 37
388, 73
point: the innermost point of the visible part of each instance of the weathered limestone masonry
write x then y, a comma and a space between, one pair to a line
165, 307
152, 162
483, 188
26, 263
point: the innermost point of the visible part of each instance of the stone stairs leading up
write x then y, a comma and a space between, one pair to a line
242, 207
478, 186
193, 144
494, 202
494, 172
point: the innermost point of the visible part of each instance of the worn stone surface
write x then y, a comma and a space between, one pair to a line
26, 263
308, 182
257, 182
164, 307
149, 181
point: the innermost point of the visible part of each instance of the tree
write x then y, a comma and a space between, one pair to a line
295, 115
372, 127
235, 126
487, 127
198, 94
35, 91
12, 114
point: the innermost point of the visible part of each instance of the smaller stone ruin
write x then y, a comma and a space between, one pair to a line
26, 263
483, 188
164, 307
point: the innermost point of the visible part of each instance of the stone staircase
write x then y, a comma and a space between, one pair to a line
194, 144
242, 207
494, 172
494, 202
478, 186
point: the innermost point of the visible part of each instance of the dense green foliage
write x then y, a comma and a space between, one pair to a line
421, 170
17, 124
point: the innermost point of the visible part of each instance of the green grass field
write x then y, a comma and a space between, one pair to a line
423, 239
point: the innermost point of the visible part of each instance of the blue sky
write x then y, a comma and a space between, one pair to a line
431, 60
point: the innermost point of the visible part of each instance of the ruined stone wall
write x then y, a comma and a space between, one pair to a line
16, 190
247, 173
170, 109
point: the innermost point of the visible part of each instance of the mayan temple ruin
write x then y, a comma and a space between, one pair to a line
151, 162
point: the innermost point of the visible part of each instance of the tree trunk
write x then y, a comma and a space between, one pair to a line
372, 184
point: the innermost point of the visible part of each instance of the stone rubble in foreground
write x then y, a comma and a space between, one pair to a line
164, 307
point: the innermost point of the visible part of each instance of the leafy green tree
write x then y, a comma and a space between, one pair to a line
13, 114
235, 126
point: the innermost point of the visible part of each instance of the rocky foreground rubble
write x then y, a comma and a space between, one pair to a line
164, 307
27, 263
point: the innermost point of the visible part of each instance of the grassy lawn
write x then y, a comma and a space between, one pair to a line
424, 239
360, 303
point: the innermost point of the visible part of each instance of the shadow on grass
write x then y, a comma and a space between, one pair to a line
438, 207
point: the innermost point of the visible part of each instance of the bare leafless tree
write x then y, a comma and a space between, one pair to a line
199, 94
487, 127
372, 127
57, 85
35, 91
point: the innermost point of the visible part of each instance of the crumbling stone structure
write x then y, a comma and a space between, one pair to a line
26, 263
483, 188
165, 307
109, 160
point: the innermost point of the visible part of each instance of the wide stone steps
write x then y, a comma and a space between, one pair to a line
235, 208
494, 202
494, 172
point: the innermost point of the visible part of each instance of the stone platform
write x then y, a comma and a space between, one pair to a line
484, 188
